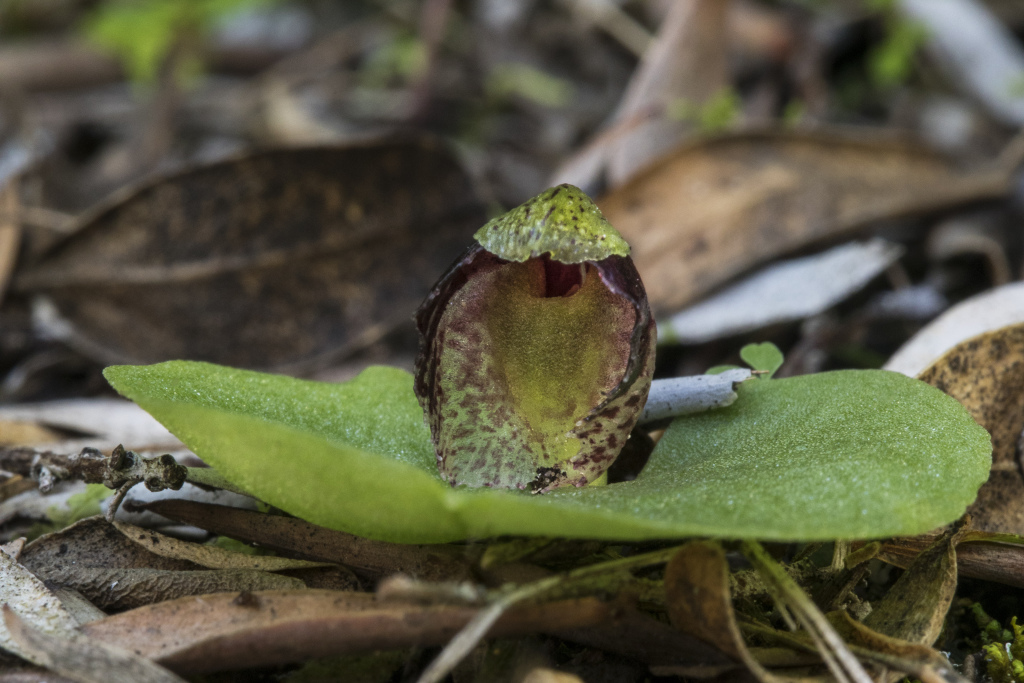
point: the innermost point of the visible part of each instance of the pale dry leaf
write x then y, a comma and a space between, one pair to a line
103, 420
120, 589
687, 63
83, 659
714, 208
546, 675
783, 292
28, 597
991, 310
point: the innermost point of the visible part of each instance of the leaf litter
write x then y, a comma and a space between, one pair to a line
750, 196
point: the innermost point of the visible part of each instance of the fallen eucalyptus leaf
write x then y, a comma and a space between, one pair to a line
714, 208
285, 258
980, 555
77, 605
26, 595
979, 52
220, 632
208, 556
119, 589
783, 292
849, 454
81, 658
699, 603
93, 542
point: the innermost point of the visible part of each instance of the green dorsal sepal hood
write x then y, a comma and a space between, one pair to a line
561, 221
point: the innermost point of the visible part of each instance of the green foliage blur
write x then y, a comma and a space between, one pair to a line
143, 33
79, 506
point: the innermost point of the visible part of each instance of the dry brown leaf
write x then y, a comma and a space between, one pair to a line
31, 675
119, 589
231, 630
915, 607
699, 603
295, 536
83, 659
986, 374
93, 542
712, 209
209, 556
10, 232
28, 596
76, 604
285, 259
15, 485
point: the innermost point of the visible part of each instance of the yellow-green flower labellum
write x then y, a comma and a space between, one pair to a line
537, 349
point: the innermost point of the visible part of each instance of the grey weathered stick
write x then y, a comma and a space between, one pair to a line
687, 395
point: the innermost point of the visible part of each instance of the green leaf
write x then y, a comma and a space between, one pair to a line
764, 357
850, 454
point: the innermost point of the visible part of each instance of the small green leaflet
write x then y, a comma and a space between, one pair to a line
764, 357
849, 454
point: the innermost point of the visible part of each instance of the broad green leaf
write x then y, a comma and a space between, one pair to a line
764, 357
850, 454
